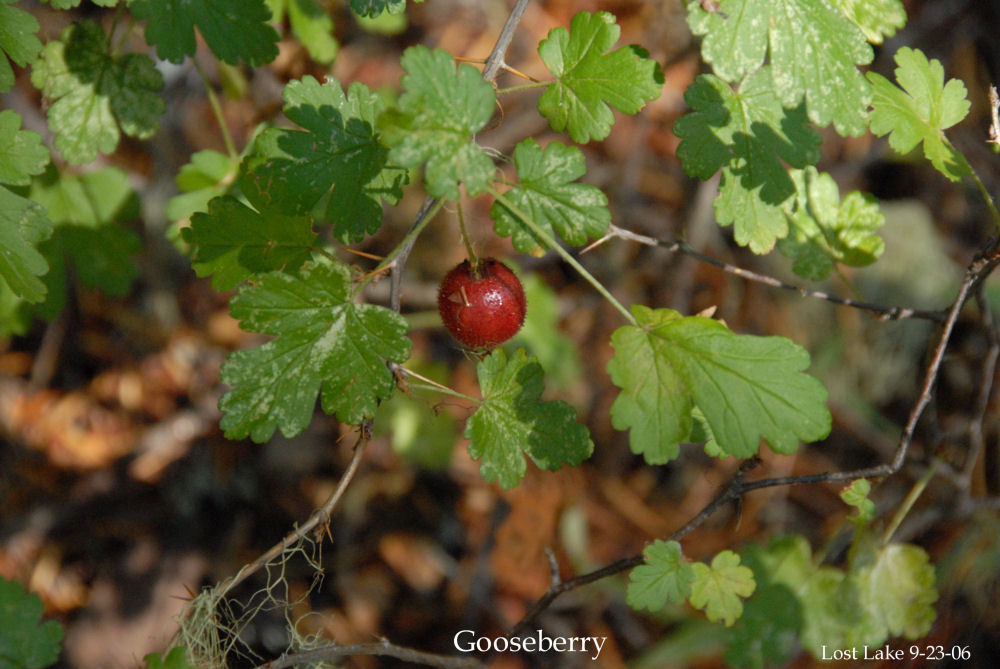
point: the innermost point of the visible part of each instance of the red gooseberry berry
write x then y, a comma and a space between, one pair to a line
482, 306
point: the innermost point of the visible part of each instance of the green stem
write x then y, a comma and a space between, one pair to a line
847, 282
419, 385
911, 498
217, 110
412, 234
524, 87
986, 196
473, 258
552, 244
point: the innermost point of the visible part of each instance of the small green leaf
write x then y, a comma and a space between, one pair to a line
813, 49
666, 575
233, 243
208, 175
18, 41
439, 113
511, 418
588, 79
22, 153
748, 388
718, 589
877, 19
234, 30
336, 160
920, 111
750, 136
856, 495
826, 231
26, 642
327, 345
23, 224
546, 193
97, 96
373, 8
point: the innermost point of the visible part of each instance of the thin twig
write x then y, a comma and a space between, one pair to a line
886, 313
989, 366
320, 515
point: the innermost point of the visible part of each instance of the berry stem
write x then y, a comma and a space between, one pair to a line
574, 263
473, 258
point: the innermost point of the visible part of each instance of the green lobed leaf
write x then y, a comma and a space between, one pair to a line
877, 19
26, 642
336, 160
88, 212
920, 111
23, 224
373, 8
546, 193
326, 345
825, 230
18, 41
590, 80
813, 50
208, 175
512, 418
97, 96
233, 243
717, 589
898, 591
666, 575
438, 115
22, 153
748, 388
234, 30
856, 495
749, 135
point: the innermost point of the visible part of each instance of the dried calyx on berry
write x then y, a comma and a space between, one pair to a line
482, 305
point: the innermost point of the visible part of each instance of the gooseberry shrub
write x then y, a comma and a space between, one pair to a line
269, 220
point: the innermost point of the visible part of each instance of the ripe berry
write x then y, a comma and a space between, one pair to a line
483, 307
